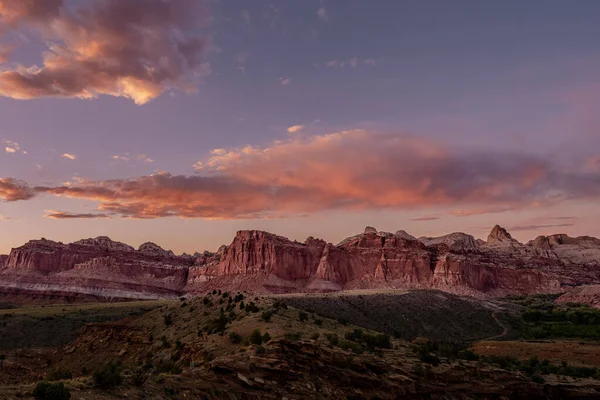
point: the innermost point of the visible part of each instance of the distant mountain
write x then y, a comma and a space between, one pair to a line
262, 262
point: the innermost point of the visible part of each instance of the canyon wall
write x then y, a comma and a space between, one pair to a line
258, 261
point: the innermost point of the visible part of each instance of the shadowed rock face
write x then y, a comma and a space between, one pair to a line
263, 262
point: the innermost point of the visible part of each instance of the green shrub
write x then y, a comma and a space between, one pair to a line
468, 355
315, 336
356, 335
238, 297
139, 377
51, 391
108, 376
302, 316
350, 345
251, 307
278, 304
266, 337
293, 336
235, 337
333, 338
538, 379
218, 324
58, 374
255, 337
168, 319
377, 341
266, 315
429, 358
167, 367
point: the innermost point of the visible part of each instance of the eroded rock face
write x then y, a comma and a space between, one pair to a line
581, 250
589, 294
258, 261
457, 241
96, 267
374, 259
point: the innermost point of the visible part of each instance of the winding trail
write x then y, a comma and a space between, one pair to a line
505, 328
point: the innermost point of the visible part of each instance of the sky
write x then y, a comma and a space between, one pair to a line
181, 122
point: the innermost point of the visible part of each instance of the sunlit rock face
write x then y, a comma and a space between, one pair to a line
97, 267
259, 261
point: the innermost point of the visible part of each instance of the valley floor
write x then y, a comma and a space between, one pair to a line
396, 344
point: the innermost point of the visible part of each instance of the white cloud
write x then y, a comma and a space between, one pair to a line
295, 128
69, 156
285, 81
128, 157
353, 62
144, 158
13, 147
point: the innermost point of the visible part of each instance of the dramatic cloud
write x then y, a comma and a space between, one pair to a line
13, 190
135, 49
295, 128
10, 150
350, 170
67, 215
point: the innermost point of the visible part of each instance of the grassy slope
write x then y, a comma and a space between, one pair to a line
425, 313
55, 325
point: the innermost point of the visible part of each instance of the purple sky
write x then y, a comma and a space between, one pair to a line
181, 124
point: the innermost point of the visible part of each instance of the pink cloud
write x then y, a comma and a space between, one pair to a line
13, 190
135, 49
350, 170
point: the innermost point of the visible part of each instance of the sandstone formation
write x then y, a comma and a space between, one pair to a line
258, 261
588, 294
96, 267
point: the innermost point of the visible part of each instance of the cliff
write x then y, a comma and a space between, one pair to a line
258, 261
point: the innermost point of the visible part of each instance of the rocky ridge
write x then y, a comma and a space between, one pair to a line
259, 261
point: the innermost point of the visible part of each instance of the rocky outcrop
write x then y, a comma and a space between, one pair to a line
457, 241
589, 294
263, 262
96, 267
154, 249
582, 250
